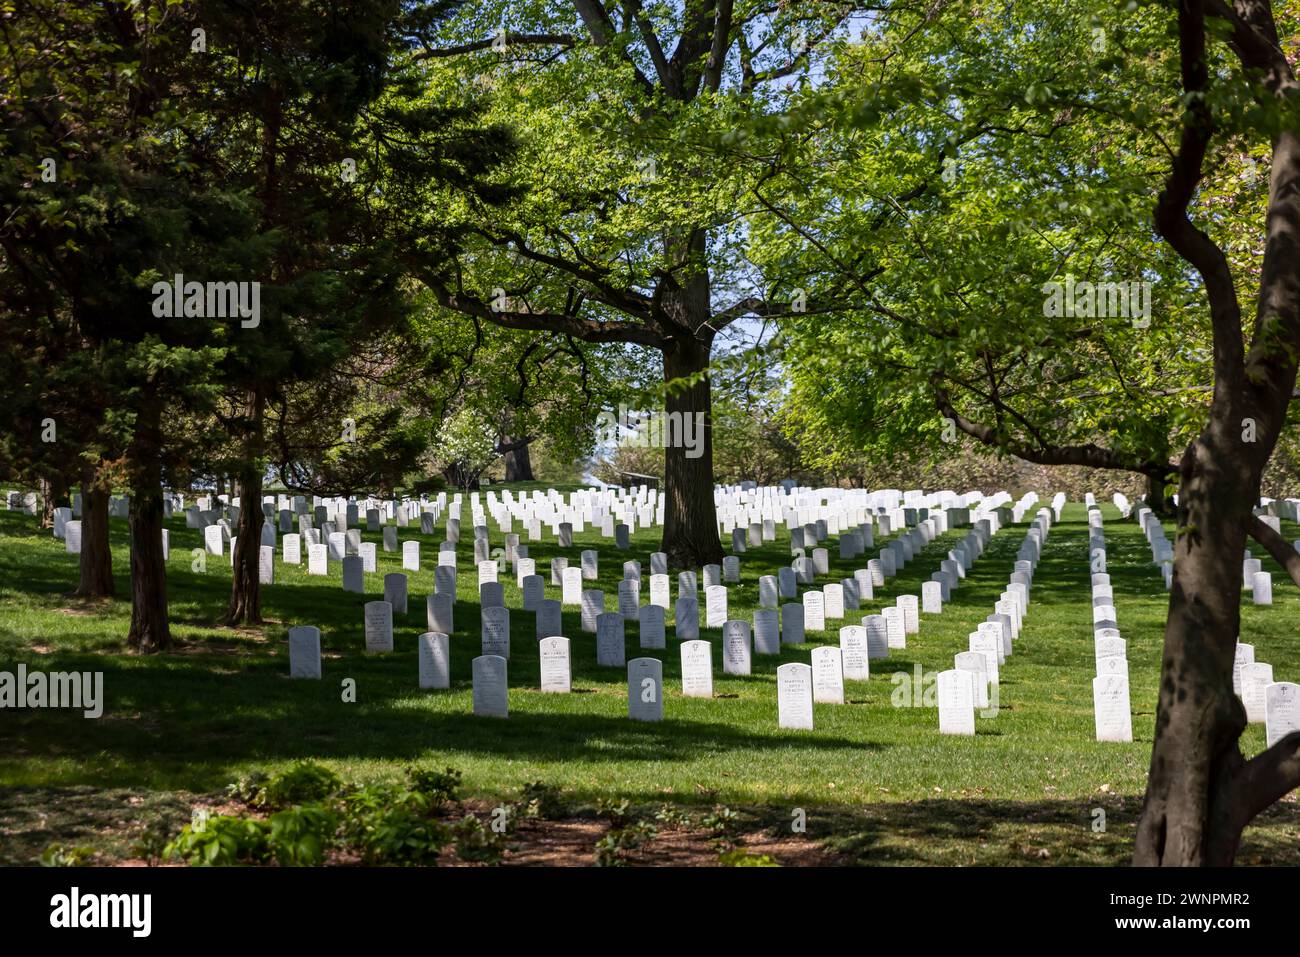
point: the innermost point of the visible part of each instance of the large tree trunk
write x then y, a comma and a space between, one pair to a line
690, 535
245, 586
1188, 815
690, 518
150, 630
96, 566
519, 464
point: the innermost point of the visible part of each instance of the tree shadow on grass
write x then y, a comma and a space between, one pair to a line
208, 724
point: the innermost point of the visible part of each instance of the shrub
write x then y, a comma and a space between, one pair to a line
247, 789
61, 855
223, 840
401, 835
439, 786
475, 841
617, 813
721, 820
151, 844
300, 836
303, 783
542, 800
611, 848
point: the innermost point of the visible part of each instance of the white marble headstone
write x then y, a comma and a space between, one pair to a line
495, 630
955, 695
354, 579
435, 660
1255, 679
645, 689
697, 669
794, 696
1110, 703
737, 654
651, 621
491, 691
379, 626
556, 665
438, 613
792, 624
549, 618
715, 606
304, 652
609, 640
828, 675
767, 632
853, 653
411, 556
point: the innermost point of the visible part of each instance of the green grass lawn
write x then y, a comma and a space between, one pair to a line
878, 782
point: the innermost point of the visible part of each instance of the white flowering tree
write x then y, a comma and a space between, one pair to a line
465, 445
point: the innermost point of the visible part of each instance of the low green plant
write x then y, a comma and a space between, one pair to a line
721, 820
151, 844
300, 836
61, 855
222, 841
247, 789
739, 857
542, 800
611, 849
303, 783
439, 786
402, 836
617, 813
475, 841
672, 816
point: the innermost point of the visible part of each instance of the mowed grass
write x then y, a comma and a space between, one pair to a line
876, 780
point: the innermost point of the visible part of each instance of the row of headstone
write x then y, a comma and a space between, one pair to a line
975, 677
1257, 580
1162, 550
1276, 704
1111, 705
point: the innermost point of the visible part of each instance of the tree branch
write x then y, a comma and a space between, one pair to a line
1171, 219
637, 13
1282, 551
718, 50
1264, 779
565, 40
589, 330
626, 300
602, 30
758, 306
1090, 455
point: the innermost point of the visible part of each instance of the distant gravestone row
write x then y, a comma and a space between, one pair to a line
974, 682
1112, 710
793, 603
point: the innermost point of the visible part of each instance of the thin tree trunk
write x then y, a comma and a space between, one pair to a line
60, 492
96, 565
150, 630
245, 586
1192, 814
45, 488
1157, 499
